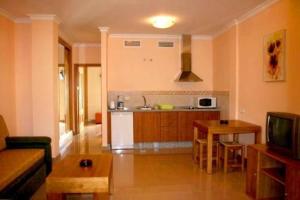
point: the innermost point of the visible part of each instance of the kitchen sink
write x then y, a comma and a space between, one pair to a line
144, 108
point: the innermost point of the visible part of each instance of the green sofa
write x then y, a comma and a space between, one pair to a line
24, 164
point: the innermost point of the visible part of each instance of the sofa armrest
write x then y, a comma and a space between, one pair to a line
3, 197
32, 143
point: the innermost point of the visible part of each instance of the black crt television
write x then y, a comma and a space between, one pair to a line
283, 133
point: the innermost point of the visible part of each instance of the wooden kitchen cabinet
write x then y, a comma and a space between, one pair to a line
183, 133
270, 175
146, 127
186, 119
168, 126
168, 123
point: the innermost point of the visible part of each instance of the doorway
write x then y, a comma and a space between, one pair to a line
88, 98
65, 111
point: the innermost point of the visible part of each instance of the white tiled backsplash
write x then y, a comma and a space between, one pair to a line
176, 98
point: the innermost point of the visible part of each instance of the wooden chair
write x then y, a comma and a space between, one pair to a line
202, 154
231, 147
199, 149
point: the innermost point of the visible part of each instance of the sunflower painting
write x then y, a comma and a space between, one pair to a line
274, 52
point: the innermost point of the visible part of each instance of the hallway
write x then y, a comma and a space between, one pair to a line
87, 142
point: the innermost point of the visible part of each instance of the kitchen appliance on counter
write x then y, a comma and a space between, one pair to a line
206, 102
122, 130
112, 105
120, 102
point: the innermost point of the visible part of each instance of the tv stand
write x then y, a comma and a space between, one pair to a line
271, 175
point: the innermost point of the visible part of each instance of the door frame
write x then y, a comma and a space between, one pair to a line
75, 91
68, 48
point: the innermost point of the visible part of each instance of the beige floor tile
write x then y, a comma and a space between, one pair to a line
152, 175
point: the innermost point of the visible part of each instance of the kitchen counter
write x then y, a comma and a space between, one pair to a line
176, 109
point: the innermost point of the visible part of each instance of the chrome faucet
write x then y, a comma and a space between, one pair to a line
145, 101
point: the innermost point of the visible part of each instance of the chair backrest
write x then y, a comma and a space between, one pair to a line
3, 133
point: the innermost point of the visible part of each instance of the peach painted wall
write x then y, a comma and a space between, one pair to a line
293, 50
255, 96
224, 70
94, 91
7, 78
23, 79
85, 53
45, 80
104, 80
151, 68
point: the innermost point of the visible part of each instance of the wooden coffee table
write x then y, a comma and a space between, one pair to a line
68, 177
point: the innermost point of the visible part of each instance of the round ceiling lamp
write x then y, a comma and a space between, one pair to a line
162, 22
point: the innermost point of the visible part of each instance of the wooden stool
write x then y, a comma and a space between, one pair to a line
201, 143
233, 147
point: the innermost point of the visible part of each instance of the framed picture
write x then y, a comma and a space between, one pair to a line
274, 56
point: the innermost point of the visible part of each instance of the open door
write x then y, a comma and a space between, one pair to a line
65, 111
87, 95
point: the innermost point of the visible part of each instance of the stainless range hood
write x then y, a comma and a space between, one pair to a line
186, 74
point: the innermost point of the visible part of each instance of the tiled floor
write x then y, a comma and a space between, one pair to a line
169, 174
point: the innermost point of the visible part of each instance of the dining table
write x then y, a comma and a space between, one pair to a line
210, 128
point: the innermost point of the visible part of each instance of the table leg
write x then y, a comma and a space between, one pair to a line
111, 183
194, 143
258, 137
209, 152
55, 196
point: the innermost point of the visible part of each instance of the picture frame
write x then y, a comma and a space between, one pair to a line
274, 47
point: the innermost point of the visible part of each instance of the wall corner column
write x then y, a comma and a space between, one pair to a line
45, 78
237, 69
104, 58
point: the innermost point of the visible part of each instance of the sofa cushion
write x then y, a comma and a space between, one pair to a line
14, 162
3, 133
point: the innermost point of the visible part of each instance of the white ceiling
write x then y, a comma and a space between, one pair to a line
81, 18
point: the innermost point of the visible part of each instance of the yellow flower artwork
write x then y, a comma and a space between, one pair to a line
274, 56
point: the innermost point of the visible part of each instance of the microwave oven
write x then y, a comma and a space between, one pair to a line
206, 102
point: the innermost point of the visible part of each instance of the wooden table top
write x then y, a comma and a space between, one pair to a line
232, 126
69, 166
67, 175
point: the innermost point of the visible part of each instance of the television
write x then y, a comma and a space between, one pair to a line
283, 133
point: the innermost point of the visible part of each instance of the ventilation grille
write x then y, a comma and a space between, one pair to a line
132, 43
165, 44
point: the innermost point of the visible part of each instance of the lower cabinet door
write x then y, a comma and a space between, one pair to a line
169, 134
292, 191
146, 127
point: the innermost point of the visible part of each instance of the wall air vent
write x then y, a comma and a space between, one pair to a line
132, 43
165, 44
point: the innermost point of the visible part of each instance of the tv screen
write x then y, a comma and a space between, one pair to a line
280, 131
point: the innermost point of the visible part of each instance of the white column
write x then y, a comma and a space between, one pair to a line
45, 78
237, 70
103, 56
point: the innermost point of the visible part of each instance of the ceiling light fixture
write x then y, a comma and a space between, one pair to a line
163, 21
